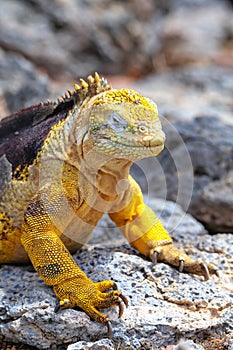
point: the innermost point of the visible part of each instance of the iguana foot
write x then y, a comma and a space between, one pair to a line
91, 297
173, 256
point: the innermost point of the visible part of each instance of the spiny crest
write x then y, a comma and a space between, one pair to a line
46, 103
93, 86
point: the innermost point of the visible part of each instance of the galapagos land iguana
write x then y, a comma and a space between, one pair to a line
62, 165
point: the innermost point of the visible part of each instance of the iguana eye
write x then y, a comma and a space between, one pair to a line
115, 117
116, 122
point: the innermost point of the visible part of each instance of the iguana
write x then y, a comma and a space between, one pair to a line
63, 164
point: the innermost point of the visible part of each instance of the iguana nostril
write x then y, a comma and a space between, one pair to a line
151, 140
147, 138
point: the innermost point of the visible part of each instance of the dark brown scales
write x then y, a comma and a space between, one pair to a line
22, 134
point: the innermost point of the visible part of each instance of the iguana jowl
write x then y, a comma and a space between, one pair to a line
63, 164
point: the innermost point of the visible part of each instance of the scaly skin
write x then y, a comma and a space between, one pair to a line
77, 170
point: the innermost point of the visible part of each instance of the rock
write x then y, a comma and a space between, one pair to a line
210, 146
216, 206
187, 345
21, 84
194, 170
188, 35
185, 93
230, 344
103, 344
164, 305
76, 38
70, 38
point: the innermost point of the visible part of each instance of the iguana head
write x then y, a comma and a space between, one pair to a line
124, 124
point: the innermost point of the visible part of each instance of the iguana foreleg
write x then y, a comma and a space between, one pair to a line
146, 233
55, 265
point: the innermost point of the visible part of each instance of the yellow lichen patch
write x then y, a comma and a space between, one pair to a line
5, 226
9, 239
128, 96
20, 173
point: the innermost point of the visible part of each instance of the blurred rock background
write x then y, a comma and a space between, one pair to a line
68, 38
46, 42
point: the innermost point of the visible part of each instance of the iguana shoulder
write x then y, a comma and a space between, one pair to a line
22, 134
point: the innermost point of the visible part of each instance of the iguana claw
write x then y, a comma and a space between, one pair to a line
181, 267
154, 257
62, 304
114, 287
57, 307
171, 255
109, 328
206, 272
122, 302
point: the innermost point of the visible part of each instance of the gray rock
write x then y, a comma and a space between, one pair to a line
183, 43
103, 344
230, 344
216, 206
185, 93
187, 345
21, 84
78, 37
210, 146
164, 305
74, 38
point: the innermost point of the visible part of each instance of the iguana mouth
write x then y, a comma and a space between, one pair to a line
137, 147
131, 149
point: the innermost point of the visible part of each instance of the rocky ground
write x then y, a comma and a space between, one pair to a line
165, 306
182, 58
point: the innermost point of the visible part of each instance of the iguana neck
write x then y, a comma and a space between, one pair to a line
108, 175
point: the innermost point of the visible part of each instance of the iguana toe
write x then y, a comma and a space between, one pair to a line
171, 255
63, 304
91, 297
